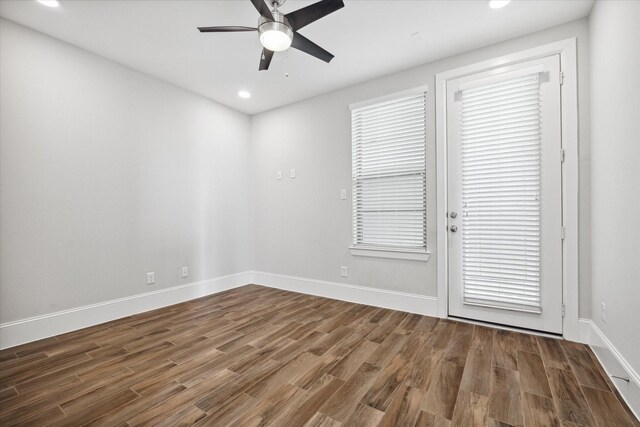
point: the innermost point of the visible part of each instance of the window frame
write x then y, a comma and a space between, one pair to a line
393, 252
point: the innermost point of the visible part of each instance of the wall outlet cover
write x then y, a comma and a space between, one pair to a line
151, 278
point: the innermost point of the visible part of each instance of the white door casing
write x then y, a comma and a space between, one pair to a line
505, 262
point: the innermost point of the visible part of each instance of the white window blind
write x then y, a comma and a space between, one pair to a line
500, 136
389, 174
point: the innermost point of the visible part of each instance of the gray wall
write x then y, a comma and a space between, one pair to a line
105, 174
615, 173
301, 227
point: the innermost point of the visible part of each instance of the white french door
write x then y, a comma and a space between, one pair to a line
505, 195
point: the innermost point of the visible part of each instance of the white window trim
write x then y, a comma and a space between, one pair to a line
391, 253
408, 92
570, 171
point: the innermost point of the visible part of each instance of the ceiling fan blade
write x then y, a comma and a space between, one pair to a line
265, 59
302, 43
262, 8
305, 16
225, 29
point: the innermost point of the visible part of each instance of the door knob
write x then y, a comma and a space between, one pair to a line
453, 228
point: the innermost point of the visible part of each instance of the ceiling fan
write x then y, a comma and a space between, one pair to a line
278, 31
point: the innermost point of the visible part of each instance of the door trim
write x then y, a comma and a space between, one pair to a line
570, 171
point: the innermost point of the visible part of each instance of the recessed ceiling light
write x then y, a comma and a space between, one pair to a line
50, 3
498, 4
244, 94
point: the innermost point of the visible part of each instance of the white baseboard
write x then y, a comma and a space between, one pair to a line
412, 303
613, 363
48, 325
39, 327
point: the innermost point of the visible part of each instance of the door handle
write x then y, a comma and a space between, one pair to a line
453, 228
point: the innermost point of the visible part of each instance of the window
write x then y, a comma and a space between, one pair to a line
500, 134
389, 178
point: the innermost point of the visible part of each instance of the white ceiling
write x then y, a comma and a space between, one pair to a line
369, 38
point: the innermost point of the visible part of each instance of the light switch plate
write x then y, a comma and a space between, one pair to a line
279, 175
292, 174
343, 194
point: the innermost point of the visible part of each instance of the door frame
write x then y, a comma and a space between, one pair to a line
570, 172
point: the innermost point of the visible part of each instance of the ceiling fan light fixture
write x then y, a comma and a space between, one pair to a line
275, 40
275, 36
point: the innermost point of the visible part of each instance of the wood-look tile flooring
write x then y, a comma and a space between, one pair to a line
258, 356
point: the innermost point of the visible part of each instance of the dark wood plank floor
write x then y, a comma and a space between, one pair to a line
260, 356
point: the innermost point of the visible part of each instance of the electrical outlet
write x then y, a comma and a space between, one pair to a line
279, 175
343, 271
151, 278
292, 174
603, 311
343, 194
185, 271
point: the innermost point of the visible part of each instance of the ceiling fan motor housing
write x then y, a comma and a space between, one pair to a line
275, 35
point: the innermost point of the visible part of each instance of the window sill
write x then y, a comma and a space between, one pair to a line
391, 253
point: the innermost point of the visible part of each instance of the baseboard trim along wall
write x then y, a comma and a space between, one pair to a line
48, 325
44, 326
412, 303
613, 363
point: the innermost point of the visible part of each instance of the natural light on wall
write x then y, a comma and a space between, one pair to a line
498, 4
49, 3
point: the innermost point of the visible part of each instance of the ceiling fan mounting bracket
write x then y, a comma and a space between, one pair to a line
276, 3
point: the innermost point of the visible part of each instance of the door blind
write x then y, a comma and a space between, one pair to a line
389, 174
500, 137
